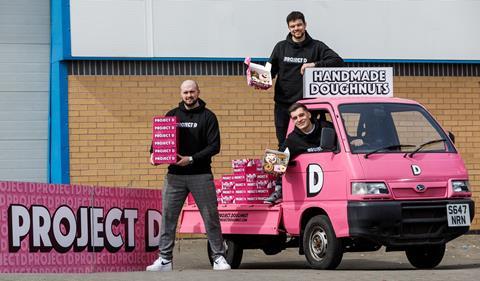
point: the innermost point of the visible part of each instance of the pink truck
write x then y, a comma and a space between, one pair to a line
387, 175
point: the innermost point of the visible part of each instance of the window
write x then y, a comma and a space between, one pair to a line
392, 127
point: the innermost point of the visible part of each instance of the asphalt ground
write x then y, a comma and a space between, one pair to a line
461, 262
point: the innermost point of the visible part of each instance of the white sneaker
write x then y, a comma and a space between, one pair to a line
160, 264
221, 264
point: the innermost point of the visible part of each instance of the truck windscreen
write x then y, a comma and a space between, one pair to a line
392, 128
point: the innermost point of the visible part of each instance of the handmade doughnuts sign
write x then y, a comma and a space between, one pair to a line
75, 228
348, 82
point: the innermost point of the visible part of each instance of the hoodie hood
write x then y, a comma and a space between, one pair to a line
302, 44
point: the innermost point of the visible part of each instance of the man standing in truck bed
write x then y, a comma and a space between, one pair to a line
289, 59
305, 138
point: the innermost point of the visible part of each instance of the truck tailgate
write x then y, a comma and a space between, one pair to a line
235, 219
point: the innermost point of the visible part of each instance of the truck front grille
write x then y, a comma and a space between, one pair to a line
423, 220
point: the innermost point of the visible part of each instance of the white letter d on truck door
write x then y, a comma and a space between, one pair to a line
314, 180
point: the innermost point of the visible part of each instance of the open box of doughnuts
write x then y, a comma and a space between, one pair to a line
259, 76
275, 162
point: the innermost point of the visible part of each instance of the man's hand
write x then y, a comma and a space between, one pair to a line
262, 89
182, 160
357, 142
151, 160
306, 65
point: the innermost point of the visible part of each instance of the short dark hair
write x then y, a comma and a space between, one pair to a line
295, 15
296, 106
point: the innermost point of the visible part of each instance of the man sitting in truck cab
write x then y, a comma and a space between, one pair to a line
305, 138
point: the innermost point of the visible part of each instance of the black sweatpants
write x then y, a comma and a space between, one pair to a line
282, 118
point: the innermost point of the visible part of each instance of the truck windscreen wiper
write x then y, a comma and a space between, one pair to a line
390, 147
422, 146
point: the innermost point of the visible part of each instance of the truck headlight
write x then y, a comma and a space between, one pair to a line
369, 188
460, 186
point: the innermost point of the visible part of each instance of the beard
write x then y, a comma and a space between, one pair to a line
298, 35
190, 102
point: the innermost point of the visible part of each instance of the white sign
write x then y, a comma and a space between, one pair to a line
348, 82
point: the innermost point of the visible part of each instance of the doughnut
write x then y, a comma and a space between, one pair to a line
268, 167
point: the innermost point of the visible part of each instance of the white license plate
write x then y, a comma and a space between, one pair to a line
458, 215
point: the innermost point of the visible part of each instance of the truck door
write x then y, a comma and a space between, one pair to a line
315, 179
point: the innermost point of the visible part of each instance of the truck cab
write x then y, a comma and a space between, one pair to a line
387, 174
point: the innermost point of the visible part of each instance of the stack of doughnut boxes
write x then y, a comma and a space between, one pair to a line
164, 137
247, 185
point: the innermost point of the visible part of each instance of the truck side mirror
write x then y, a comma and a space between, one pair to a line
327, 139
451, 136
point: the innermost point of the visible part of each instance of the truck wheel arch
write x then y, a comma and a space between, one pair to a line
306, 216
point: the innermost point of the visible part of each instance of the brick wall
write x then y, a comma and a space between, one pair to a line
110, 122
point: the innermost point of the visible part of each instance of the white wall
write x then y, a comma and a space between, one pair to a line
369, 29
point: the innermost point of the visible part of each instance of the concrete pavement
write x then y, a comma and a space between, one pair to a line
461, 262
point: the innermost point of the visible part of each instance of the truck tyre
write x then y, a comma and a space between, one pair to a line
322, 248
233, 253
425, 257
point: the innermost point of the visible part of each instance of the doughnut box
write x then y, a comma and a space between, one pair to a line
247, 185
275, 162
164, 139
258, 76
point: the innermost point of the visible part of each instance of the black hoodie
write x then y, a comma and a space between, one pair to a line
287, 59
198, 136
298, 142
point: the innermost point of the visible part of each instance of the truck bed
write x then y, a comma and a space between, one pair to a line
235, 219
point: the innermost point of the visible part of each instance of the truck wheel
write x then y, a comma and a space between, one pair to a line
233, 253
322, 248
425, 256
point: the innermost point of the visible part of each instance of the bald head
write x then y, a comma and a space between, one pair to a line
189, 83
189, 91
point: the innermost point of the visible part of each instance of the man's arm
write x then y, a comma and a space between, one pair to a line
294, 149
328, 57
213, 140
273, 60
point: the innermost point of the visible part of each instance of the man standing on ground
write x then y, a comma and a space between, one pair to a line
289, 59
199, 141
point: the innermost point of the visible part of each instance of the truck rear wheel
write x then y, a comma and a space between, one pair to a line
322, 248
233, 253
425, 257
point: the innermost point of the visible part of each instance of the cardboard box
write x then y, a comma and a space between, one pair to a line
258, 76
246, 166
164, 139
228, 199
239, 178
275, 162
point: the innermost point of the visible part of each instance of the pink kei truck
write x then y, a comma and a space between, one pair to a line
386, 175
